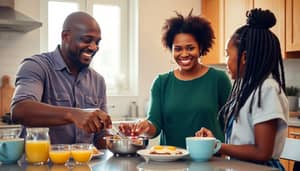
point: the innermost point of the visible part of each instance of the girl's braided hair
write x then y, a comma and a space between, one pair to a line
263, 58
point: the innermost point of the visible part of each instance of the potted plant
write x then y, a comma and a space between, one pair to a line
292, 95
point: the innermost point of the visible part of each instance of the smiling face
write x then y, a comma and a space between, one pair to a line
232, 60
186, 51
80, 43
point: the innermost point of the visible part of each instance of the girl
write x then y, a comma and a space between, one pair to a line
256, 111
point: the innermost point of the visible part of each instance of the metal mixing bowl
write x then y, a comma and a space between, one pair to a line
129, 145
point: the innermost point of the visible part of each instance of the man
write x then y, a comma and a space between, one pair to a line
53, 88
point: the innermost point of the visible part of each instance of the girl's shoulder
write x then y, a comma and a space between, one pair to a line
270, 83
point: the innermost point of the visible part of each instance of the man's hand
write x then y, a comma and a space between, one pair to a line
92, 120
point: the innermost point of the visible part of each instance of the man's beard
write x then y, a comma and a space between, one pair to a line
75, 58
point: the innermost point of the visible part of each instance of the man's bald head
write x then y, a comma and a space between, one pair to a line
80, 40
77, 20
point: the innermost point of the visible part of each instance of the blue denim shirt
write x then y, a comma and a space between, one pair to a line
46, 78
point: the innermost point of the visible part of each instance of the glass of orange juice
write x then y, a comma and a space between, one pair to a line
37, 145
81, 153
60, 153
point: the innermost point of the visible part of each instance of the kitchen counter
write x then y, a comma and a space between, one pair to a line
109, 162
294, 121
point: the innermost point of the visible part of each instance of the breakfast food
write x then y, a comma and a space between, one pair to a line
164, 150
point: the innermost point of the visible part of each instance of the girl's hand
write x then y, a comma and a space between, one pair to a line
203, 132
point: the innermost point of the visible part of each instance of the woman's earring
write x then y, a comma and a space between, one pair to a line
199, 59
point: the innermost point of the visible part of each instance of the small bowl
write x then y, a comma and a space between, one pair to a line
129, 145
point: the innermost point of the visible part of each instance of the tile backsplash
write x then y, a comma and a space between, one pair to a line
13, 48
292, 68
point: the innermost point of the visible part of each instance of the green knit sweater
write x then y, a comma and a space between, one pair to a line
180, 108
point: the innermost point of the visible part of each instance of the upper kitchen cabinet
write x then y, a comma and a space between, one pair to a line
278, 8
211, 10
227, 15
234, 16
292, 25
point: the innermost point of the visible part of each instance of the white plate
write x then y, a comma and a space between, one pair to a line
159, 157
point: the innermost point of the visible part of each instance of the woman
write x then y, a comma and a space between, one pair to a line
257, 109
190, 96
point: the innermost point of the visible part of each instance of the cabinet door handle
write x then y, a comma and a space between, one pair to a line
295, 133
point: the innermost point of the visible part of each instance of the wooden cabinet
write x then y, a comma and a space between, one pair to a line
278, 8
211, 9
285, 164
292, 25
227, 15
234, 16
293, 132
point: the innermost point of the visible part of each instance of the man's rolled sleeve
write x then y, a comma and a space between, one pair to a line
29, 82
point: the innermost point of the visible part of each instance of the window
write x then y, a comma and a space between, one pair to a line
116, 58
56, 19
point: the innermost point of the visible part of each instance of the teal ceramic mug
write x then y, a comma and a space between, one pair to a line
202, 148
11, 150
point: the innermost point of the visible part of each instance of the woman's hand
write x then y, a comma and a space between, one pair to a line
126, 128
138, 128
142, 127
204, 132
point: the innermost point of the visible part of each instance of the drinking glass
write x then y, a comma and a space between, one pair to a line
60, 153
81, 153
